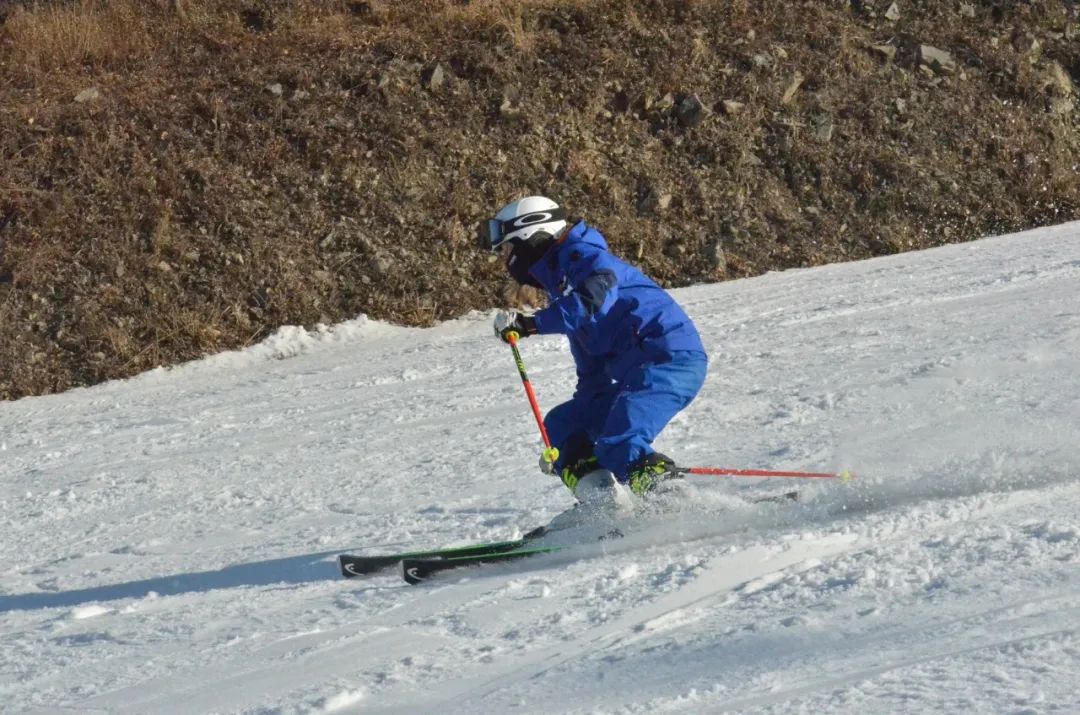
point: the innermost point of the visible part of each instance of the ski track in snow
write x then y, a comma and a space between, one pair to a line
169, 540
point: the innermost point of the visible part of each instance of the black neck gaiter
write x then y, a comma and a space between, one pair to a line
526, 254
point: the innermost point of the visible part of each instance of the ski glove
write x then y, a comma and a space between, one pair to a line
511, 321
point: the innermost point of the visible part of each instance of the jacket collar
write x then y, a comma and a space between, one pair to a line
548, 270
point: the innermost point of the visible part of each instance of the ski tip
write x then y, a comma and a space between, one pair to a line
845, 476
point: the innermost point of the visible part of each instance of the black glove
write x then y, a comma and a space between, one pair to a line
511, 321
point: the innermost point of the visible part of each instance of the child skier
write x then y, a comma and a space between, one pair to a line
639, 358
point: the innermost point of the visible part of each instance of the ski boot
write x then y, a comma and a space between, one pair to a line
646, 474
571, 474
595, 487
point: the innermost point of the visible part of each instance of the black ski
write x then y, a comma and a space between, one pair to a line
418, 570
362, 565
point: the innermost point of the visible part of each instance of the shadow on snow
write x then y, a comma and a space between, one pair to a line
292, 570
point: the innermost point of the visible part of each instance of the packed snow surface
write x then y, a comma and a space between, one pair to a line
169, 541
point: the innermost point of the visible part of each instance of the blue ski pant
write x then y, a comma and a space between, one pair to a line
618, 425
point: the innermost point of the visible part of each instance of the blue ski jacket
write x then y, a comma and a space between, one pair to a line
615, 316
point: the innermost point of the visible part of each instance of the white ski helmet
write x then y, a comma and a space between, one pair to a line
520, 219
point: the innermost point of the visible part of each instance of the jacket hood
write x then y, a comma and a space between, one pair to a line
581, 232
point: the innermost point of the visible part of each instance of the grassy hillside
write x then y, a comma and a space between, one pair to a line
179, 177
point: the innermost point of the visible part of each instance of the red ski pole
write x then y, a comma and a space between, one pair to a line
845, 475
550, 453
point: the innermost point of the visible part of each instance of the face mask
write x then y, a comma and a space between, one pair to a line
526, 254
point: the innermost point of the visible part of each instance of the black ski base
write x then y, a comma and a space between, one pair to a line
776, 498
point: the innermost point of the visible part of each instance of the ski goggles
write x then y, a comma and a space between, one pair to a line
491, 235
494, 233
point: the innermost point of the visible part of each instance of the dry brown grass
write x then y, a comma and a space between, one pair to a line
62, 37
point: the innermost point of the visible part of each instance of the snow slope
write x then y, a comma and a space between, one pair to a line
168, 541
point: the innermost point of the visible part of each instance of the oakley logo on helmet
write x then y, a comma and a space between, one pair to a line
529, 219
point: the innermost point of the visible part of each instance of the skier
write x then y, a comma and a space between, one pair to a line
639, 358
